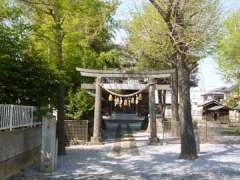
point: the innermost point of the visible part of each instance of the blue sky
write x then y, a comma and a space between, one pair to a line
209, 75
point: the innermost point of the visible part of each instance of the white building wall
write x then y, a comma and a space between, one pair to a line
196, 101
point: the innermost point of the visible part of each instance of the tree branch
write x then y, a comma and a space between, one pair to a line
159, 9
37, 3
31, 3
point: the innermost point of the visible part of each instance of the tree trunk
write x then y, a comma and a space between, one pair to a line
60, 120
174, 104
188, 144
61, 90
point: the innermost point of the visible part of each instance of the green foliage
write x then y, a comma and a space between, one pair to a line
232, 131
87, 27
149, 38
80, 105
228, 46
85, 37
24, 77
147, 41
231, 102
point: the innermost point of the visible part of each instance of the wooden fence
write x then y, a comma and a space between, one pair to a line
76, 132
16, 116
234, 117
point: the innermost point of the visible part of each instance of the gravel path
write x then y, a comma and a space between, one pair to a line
137, 160
125, 142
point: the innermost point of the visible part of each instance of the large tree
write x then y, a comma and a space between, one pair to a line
191, 27
148, 44
71, 33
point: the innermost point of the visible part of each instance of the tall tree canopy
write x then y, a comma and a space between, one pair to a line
85, 33
25, 77
146, 41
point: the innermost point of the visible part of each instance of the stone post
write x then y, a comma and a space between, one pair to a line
49, 145
153, 139
96, 138
197, 138
206, 129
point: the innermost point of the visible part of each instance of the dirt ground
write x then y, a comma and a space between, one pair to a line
127, 155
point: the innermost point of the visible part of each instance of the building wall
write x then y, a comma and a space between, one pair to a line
18, 149
234, 117
196, 101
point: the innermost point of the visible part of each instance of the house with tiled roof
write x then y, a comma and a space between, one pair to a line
218, 94
215, 111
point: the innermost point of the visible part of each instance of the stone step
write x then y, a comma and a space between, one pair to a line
122, 116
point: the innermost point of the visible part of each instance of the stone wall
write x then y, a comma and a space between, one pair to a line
18, 149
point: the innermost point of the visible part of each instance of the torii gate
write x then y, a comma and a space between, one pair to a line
152, 76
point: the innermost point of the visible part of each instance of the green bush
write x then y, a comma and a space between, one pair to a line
79, 106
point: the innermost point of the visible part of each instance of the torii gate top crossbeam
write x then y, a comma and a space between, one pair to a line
122, 74
120, 86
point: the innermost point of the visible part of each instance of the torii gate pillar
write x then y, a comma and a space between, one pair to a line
96, 138
153, 139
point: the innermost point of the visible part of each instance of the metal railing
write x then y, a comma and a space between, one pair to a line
16, 116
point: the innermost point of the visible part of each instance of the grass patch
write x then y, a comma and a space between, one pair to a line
232, 131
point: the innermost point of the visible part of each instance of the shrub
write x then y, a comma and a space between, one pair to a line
79, 105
